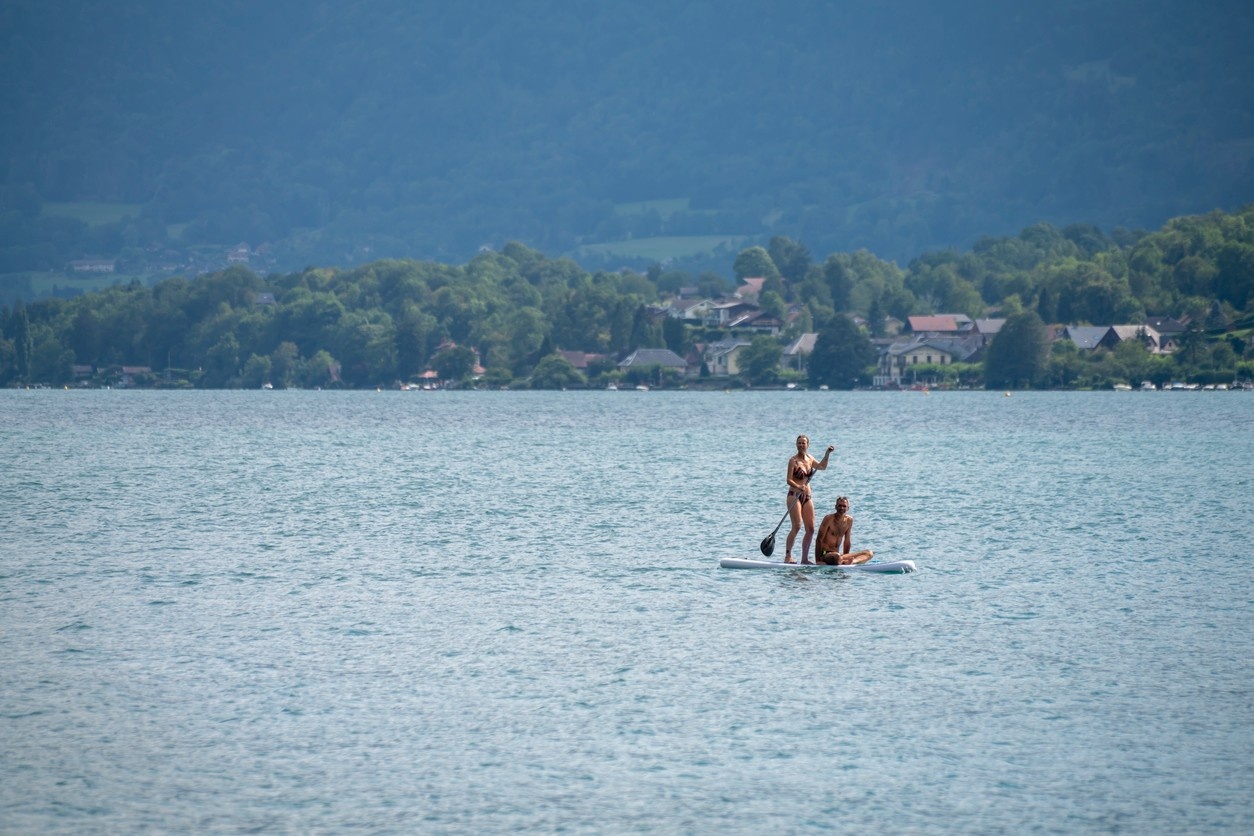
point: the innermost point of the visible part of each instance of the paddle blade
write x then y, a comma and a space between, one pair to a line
768, 545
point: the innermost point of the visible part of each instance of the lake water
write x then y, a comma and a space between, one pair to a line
488, 612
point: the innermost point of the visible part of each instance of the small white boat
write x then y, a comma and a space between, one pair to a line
1122, 387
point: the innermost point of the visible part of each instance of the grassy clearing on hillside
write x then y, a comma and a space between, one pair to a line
44, 283
662, 248
94, 214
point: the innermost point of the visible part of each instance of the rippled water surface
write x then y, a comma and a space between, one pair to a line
488, 612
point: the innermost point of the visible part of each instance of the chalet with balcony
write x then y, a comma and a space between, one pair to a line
899, 361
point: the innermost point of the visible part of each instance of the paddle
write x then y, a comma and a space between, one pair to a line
768, 544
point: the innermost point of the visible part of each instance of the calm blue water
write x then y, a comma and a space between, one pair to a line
488, 612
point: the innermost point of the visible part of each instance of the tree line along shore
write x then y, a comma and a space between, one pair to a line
515, 318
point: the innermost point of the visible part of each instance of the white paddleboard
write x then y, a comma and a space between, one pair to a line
898, 567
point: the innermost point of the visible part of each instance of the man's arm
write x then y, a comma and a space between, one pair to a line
825, 531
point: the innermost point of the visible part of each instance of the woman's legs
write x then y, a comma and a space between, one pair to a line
807, 513
794, 514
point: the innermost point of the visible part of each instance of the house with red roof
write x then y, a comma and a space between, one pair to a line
950, 325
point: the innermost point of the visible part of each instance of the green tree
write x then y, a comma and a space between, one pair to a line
497, 377
1190, 347
415, 334
454, 363
8, 361
1018, 354
52, 362
222, 362
319, 370
366, 343
773, 304
839, 282
759, 362
556, 372
673, 334
284, 365
875, 318
1130, 361
24, 343
256, 372
644, 334
527, 328
1235, 279
754, 262
621, 321
790, 257
842, 353
711, 285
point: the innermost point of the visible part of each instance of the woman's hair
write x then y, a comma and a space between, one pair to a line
806, 437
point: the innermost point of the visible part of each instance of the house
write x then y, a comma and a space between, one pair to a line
129, 373
759, 321
896, 361
751, 289
238, 255
722, 357
647, 358
1154, 342
1167, 326
987, 329
723, 314
940, 324
690, 309
1085, 337
798, 351
264, 299
579, 359
656, 313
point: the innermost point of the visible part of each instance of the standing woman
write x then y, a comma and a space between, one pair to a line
801, 468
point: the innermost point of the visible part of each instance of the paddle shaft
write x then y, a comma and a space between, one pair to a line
781, 519
767, 546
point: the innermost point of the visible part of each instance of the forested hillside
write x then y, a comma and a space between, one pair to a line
343, 132
387, 322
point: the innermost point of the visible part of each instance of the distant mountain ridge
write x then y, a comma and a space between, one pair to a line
351, 130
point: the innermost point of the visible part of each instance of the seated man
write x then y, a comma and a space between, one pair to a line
834, 536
